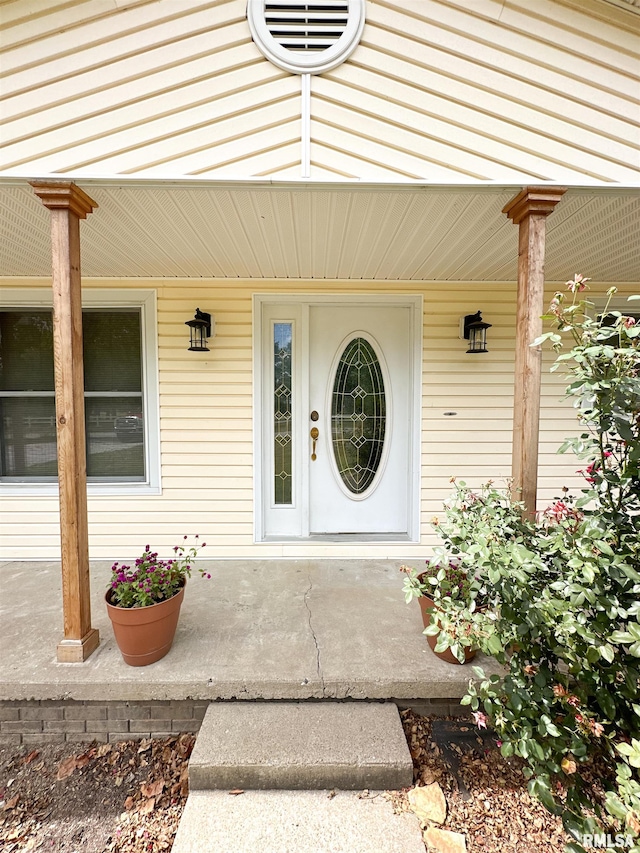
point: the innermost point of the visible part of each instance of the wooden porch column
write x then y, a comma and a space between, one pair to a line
68, 205
529, 210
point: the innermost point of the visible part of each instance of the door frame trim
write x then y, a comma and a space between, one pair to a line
261, 447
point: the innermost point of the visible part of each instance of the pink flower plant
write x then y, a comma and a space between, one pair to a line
152, 580
480, 719
578, 283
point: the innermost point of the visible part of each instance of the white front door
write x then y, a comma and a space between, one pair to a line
359, 359
339, 405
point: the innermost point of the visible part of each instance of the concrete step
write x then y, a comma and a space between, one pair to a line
295, 822
300, 746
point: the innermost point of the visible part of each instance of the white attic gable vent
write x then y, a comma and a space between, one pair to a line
306, 38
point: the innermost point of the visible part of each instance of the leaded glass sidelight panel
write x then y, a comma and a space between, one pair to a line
282, 408
358, 415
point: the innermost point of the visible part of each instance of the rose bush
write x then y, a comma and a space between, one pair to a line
566, 591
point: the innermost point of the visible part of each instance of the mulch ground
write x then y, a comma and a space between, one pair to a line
499, 816
95, 798
128, 797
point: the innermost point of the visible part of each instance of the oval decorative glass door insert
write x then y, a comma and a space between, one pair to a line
358, 415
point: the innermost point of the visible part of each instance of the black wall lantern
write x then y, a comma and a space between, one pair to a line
199, 330
474, 330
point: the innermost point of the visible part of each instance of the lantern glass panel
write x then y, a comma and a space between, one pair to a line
197, 335
477, 339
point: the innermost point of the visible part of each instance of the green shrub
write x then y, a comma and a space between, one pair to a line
565, 589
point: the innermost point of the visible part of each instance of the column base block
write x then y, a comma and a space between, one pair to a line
77, 651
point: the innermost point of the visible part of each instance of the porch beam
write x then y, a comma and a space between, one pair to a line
529, 211
68, 204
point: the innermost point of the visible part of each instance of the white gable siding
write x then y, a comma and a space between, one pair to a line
206, 425
442, 91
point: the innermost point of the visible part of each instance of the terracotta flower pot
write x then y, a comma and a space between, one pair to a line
145, 634
426, 606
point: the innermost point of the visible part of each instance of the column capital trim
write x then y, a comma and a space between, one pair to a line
538, 200
64, 195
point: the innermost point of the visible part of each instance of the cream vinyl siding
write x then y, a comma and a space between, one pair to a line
444, 91
206, 424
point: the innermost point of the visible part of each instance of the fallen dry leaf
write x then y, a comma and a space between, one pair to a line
236, 791
32, 756
83, 759
66, 768
148, 806
152, 789
633, 822
16, 835
11, 804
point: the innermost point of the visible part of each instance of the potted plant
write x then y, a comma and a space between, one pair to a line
453, 605
144, 600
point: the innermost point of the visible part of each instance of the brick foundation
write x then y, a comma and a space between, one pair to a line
57, 721
434, 707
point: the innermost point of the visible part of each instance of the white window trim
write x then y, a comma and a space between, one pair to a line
311, 63
618, 302
102, 298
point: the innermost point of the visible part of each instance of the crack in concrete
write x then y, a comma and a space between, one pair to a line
315, 639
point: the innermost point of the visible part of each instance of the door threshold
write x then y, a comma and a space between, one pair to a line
343, 538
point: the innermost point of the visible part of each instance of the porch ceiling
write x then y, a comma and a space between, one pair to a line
415, 233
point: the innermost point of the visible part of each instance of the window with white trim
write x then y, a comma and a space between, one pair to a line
119, 417
615, 306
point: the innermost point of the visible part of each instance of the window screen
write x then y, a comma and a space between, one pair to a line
113, 396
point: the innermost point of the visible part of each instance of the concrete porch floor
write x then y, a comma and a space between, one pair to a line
259, 629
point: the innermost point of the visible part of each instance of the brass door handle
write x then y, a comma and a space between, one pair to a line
315, 432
